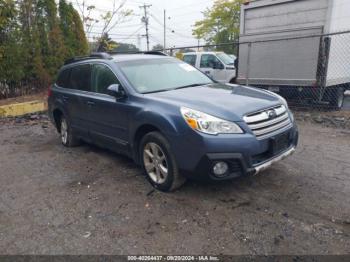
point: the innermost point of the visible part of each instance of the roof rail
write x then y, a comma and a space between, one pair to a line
155, 53
140, 52
95, 55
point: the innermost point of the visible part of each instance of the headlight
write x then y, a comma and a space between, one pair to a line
209, 124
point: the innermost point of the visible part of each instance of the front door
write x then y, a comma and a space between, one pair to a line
108, 116
213, 67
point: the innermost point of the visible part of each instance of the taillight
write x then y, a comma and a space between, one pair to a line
49, 91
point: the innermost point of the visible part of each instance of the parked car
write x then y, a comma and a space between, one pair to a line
232, 56
218, 65
170, 118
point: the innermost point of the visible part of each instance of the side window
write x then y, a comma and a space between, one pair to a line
80, 77
103, 77
63, 78
209, 61
190, 59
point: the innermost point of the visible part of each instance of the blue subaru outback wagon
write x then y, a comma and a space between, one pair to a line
169, 117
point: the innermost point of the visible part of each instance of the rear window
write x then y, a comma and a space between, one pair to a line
63, 78
80, 77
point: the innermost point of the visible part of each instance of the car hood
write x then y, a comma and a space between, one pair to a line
227, 101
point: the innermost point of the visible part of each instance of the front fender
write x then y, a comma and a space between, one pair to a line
167, 124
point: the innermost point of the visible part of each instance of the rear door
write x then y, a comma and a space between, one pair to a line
108, 116
78, 85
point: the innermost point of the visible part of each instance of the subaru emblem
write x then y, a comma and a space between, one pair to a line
272, 114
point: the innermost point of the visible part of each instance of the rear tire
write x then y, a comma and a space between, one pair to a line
336, 97
158, 163
68, 139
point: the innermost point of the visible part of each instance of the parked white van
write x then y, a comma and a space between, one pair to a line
217, 65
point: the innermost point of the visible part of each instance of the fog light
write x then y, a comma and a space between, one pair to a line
220, 168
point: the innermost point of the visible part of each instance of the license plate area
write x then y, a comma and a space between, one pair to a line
280, 143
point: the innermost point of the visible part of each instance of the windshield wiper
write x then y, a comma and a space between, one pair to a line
156, 91
180, 87
192, 85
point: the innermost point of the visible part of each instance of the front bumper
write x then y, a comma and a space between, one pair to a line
266, 165
244, 154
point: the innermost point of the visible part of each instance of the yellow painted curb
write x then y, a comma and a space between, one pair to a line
20, 109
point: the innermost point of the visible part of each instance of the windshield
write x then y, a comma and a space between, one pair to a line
156, 75
228, 60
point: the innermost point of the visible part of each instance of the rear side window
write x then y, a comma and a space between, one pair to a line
80, 77
63, 78
103, 77
190, 59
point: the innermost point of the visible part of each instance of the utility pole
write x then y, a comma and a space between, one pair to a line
146, 20
164, 45
139, 42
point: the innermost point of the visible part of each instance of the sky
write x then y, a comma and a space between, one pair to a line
181, 15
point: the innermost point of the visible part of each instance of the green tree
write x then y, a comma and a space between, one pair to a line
125, 47
34, 41
106, 44
81, 46
10, 55
51, 40
72, 30
220, 23
30, 43
157, 47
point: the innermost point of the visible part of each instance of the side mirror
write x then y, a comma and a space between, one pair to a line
116, 91
218, 65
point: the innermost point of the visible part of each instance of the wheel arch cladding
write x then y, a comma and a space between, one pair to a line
57, 114
150, 122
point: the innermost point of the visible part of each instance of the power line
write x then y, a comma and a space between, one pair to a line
146, 21
116, 34
138, 29
189, 5
118, 26
127, 36
168, 29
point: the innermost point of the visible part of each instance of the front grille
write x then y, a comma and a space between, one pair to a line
268, 122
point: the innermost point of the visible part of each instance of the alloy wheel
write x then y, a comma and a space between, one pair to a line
155, 163
64, 131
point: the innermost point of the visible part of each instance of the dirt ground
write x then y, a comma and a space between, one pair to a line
85, 200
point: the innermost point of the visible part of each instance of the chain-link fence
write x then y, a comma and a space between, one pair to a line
310, 71
10, 89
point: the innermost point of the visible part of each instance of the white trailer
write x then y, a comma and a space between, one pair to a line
281, 47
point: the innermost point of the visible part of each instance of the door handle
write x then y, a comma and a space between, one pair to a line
65, 98
90, 103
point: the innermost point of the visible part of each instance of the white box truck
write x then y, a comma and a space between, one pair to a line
281, 48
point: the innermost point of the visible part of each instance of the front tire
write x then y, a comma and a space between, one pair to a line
67, 137
158, 163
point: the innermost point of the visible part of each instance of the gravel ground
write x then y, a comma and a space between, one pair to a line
85, 200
